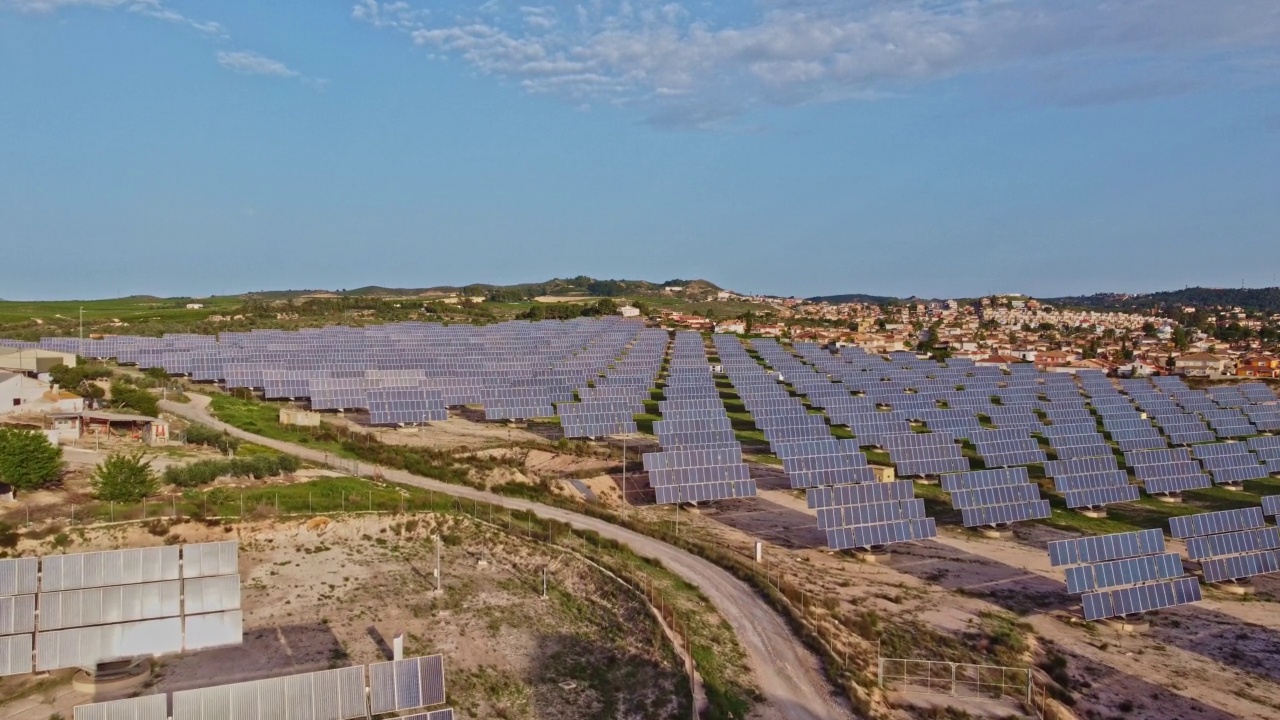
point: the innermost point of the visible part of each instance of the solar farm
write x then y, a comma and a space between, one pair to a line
896, 459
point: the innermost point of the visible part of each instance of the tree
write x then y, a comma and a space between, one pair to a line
134, 398
27, 459
124, 478
1180, 339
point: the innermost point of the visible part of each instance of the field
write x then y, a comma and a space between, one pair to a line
315, 597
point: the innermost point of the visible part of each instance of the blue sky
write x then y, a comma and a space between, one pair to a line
795, 147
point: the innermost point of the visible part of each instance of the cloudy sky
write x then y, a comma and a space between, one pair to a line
796, 147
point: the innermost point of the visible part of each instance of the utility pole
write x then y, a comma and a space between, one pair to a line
80, 344
437, 563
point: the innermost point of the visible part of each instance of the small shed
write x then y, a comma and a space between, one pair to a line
152, 431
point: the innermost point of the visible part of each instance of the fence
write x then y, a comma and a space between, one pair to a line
964, 680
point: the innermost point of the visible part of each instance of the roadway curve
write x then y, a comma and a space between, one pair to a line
788, 675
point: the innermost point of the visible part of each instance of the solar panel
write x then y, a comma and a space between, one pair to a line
1005, 514
1222, 521
337, 694
17, 614
1143, 598
1126, 571
147, 707
15, 655
1100, 496
406, 684
1104, 548
112, 604
1233, 543
88, 646
111, 567
1271, 505
18, 576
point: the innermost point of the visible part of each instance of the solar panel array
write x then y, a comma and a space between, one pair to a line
1230, 545
82, 609
854, 512
516, 370
608, 405
701, 458
1123, 574
1229, 463
993, 498
337, 694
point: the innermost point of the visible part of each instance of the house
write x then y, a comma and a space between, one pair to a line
1053, 358
1259, 365
33, 361
19, 390
732, 327
195, 306
629, 311
1000, 361
1203, 364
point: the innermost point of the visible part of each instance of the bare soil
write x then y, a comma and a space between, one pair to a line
1213, 660
322, 594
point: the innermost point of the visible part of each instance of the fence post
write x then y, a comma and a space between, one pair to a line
953, 679
113, 511
880, 672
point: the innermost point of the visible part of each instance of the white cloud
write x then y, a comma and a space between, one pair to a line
251, 63
151, 8
245, 62
666, 59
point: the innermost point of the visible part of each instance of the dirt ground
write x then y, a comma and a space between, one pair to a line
454, 434
1213, 660
315, 596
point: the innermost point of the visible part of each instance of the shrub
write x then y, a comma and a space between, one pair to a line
27, 459
124, 478
207, 436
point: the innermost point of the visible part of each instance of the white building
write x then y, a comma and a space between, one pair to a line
629, 311
19, 390
195, 306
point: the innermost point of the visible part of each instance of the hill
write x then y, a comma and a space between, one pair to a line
580, 285
859, 298
1266, 300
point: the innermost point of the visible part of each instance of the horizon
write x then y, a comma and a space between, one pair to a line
804, 148
349, 289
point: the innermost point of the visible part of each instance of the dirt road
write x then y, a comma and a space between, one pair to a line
788, 675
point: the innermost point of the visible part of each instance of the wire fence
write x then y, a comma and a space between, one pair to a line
320, 498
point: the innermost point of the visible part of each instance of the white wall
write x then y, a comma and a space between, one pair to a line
18, 391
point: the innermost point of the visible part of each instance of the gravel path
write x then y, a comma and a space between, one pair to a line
788, 675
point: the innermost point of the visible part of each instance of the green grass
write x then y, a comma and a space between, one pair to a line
263, 419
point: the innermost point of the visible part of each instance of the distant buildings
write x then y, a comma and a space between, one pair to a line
1203, 364
629, 311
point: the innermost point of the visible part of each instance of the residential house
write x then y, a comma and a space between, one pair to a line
1203, 364
1259, 365
19, 390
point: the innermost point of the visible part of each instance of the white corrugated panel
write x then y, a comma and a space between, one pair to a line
214, 630
210, 594
445, 714
88, 646
112, 567
15, 655
107, 605
148, 707
18, 576
17, 614
208, 559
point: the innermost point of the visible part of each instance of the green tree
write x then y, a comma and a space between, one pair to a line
1180, 339
134, 398
124, 477
27, 459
